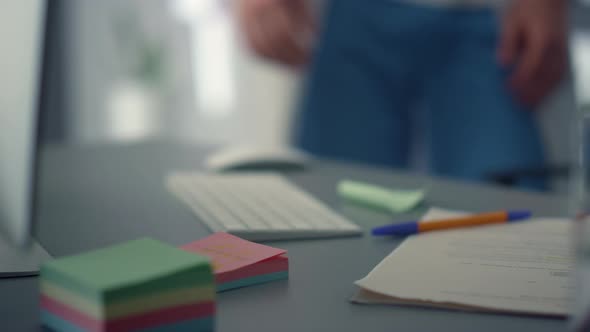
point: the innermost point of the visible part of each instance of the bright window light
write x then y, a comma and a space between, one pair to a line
580, 49
212, 47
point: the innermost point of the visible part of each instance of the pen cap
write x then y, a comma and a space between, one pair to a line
518, 215
402, 229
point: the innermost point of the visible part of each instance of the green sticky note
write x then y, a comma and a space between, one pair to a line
378, 197
127, 270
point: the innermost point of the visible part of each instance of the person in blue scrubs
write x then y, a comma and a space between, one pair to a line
479, 66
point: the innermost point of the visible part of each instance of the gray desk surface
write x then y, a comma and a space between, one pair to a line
97, 196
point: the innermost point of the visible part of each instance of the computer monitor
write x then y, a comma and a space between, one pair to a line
22, 30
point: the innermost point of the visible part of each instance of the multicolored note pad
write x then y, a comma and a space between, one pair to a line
239, 263
142, 285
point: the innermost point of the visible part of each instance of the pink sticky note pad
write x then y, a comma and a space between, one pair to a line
229, 253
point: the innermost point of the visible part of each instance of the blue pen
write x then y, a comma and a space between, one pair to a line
414, 227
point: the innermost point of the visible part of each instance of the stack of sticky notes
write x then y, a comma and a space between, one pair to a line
142, 285
239, 263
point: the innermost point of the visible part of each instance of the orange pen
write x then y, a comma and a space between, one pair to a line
413, 227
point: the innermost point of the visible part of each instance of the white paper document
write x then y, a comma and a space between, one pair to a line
523, 267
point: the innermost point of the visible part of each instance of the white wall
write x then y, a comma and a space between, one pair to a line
108, 101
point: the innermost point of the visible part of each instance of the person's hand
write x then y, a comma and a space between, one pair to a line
534, 43
279, 30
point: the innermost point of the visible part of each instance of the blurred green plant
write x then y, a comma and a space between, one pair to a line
142, 57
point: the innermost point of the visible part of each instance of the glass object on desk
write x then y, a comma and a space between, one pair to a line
580, 56
581, 199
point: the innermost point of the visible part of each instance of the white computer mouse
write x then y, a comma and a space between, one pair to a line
257, 158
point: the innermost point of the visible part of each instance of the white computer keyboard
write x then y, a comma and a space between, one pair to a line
257, 207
